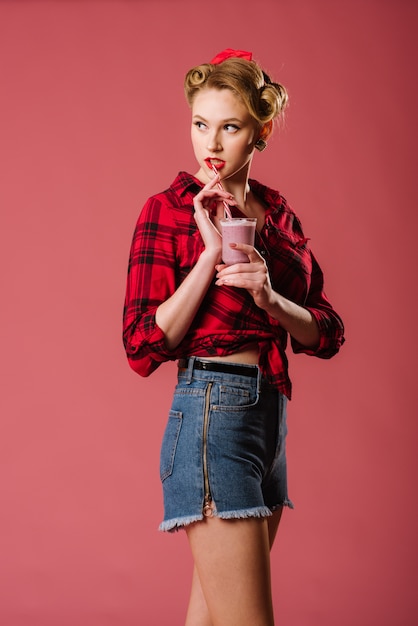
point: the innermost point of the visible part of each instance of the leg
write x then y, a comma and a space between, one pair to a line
233, 564
273, 524
198, 612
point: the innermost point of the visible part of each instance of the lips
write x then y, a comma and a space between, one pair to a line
218, 163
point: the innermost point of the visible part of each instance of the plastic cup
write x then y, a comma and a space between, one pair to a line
237, 230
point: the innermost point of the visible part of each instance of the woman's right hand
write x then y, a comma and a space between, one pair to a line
209, 209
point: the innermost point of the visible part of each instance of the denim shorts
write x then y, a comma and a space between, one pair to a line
223, 447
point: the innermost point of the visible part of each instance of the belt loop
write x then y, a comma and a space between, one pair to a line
259, 379
190, 367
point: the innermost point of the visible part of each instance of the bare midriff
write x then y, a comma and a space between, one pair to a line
248, 356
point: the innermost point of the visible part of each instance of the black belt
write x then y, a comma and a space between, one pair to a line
218, 366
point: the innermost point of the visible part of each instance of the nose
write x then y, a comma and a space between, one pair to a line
213, 143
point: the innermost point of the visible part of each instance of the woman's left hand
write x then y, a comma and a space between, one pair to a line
252, 276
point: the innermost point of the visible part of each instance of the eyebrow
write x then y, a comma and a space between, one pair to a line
228, 120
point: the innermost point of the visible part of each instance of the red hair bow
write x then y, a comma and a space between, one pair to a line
228, 53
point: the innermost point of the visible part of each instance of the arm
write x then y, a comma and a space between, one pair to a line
158, 312
298, 321
175, 315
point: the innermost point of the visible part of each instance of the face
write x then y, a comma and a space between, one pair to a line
223, 133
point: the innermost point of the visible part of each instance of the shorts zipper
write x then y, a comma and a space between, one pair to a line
207, 505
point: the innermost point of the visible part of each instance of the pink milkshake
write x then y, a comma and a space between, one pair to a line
237, 230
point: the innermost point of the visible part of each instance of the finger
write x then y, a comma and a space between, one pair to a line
228, 277
215, 179
213, 204
250, 251
217, 194
257, 268
245, 281
211, 184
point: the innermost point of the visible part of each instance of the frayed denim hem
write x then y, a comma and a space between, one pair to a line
259, 511
178, 523
171, 525
287, 503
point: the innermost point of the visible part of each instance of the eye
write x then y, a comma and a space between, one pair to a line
200, 125
231, 128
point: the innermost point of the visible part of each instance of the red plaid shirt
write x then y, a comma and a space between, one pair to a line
165, 247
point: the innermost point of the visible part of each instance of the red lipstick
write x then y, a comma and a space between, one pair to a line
211, 162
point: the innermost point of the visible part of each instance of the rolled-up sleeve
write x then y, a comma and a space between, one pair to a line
330, 324
151, 280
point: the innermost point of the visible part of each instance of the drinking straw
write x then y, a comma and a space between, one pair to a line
226, 206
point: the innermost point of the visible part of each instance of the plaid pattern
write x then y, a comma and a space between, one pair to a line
167, 244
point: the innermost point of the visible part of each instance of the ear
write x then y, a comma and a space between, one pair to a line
266, 130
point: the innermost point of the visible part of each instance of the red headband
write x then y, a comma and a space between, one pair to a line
228, 53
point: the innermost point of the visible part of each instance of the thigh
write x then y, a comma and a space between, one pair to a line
233, 562
273, 525
198, 613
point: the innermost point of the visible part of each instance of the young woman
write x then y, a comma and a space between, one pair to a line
223, 462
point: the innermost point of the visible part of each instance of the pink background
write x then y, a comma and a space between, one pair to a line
93, 121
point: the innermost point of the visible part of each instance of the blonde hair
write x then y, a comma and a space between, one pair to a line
264, 99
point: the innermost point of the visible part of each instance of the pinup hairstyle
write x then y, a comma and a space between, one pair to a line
264, 99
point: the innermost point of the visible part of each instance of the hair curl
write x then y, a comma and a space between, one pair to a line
264, 99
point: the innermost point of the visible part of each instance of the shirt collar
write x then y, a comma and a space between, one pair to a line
184, 183
271, 198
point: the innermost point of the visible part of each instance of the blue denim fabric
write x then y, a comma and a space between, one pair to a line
230, 429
